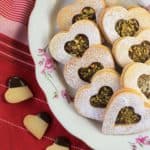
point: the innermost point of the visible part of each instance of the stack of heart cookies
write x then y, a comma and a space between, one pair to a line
93, 39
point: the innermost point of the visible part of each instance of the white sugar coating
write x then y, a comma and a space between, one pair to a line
106, 77
115, 13
122, 46
66, 14
121, 100
110, 19
97, 53
58, 42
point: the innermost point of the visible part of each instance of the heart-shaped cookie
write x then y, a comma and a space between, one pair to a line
137, 76
79, 71
61, 143
132, 49
118, 21
79, 10
91, 99
37, 124
75, 42
17, 91
127, 113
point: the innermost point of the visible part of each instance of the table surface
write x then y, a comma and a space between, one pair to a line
15, 60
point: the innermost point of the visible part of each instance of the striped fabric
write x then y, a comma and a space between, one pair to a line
15, 60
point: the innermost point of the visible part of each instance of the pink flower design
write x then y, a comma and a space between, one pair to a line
143, 140
66, 95
46, 62
140, 141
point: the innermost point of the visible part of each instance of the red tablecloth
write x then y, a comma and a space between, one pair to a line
15, 60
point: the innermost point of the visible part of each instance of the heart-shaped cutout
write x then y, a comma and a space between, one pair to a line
86, 13
127, 116
91, 99
127, 27
79, 10
65, 45
137, 76
87, 73
79, 71
135, 49
78, 46
117, 21
144, 84
140, 52
102, 98
127, 113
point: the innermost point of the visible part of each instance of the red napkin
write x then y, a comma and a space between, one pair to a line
15, 60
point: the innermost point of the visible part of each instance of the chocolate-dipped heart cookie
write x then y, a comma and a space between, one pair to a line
61, 143
117, 21
75, 42
133, 49
17, 91
137, 76
79, 71
91, 100
127, 113
79, 10
37, 124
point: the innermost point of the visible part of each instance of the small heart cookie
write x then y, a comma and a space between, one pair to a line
119, 22
127, 113
132, 49
79, 10
91, 99
137, 76
79, 71
61, 143
17, 91
37, 124
75, 42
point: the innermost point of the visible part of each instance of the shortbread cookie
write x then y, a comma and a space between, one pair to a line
91, 100
125, 3
75, 42
79, 10
17, 91
148, 62
132, 49
137, 76
79, 71
37, 124
119, 22
61, 143
127, 113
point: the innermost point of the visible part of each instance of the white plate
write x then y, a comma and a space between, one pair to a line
41, 28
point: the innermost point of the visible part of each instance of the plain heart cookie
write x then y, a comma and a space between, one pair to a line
61, 143
79, 71
132, 49
17, 91
137, 76
79, 10
75, 42
117, 21
127, 113
37, 124
91, 100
